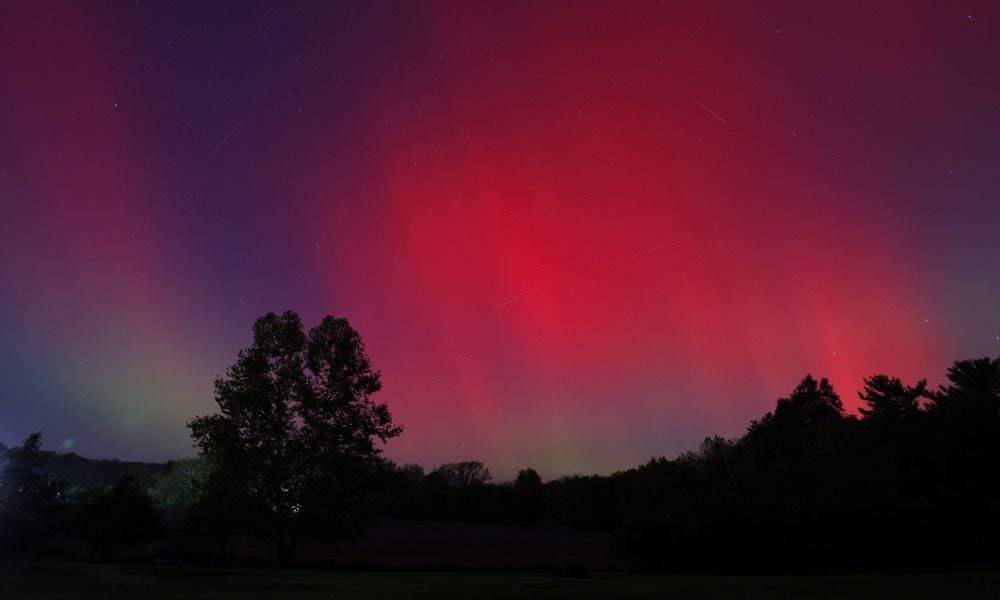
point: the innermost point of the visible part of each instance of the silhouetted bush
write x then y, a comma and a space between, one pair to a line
30, 501
112, 518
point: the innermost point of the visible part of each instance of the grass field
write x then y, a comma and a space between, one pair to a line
22, 581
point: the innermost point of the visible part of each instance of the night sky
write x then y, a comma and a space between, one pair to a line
572, 235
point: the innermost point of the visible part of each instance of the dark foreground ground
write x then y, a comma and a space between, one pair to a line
20, 581
422, 545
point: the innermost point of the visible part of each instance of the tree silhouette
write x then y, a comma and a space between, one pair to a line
29, 499
889, 400
115, 517
292, 451
463, 474
456, 491
528, 496
811, 402
974, 390
178, 486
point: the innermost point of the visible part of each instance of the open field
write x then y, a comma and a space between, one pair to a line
417, 545
22, 581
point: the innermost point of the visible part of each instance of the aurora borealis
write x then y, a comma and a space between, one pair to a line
572, 235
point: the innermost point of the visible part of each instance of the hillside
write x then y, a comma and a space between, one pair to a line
80, 472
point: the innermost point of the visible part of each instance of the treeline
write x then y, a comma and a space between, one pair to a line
913, 480
462, 492
79, 473
37, 509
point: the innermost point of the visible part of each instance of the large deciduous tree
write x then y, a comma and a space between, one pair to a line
293, 451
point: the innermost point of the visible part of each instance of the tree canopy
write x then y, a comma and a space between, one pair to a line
293, 451
888, 399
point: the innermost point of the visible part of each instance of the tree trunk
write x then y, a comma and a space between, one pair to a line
284, 546
280, 549
292, 543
